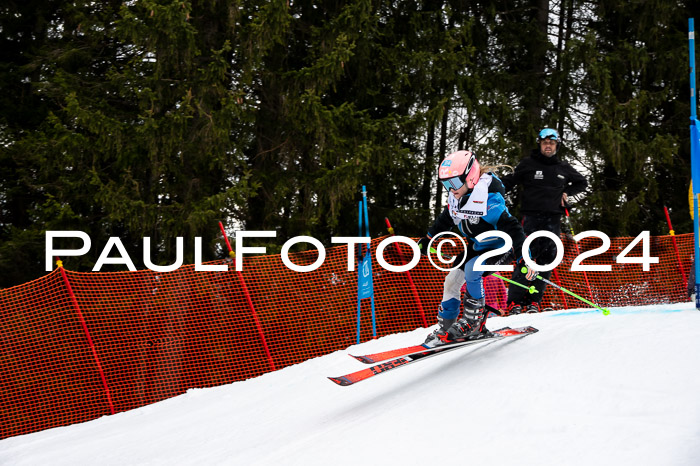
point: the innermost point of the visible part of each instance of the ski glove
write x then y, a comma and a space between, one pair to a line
423, 245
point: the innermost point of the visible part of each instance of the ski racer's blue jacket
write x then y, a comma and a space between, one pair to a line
496, 217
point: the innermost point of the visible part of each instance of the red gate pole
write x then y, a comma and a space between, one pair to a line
675, 246
59, 263
563, 296
250, 302
412, 285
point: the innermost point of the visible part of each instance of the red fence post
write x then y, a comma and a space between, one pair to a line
675, 246
410, 279
87, 334
563, 295
578, 251
250, 303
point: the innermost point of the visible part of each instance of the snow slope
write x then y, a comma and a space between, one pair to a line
588, 389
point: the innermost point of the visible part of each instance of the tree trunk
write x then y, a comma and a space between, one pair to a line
424, 194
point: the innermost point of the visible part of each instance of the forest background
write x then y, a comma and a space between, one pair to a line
160, 118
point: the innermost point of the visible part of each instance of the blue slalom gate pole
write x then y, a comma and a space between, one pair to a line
369, 259
360, 268
694, 156
365, 284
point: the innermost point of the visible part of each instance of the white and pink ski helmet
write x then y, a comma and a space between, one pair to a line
459, 168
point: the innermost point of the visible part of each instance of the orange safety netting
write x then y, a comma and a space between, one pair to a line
127, 339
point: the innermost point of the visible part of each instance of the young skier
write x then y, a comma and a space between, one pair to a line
475, 205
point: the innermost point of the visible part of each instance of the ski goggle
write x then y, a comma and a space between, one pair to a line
452, 183
548, 133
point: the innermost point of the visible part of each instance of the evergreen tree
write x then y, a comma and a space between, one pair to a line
140, 137
346, 96
160, 118
24, 27
633, 55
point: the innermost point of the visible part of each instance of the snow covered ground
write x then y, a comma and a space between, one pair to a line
588, 389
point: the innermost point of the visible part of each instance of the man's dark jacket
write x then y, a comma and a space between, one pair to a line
544, 180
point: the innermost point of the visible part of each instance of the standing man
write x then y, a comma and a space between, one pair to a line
547, 184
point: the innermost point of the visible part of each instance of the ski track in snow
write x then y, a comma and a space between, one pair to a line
587, 389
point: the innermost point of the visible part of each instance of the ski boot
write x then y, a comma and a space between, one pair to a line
514, 309
532, 308
436, 337
471, 325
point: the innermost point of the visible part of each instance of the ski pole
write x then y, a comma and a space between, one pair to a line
530, 289
605, 311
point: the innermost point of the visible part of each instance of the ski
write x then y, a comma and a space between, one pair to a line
424, 353
384, 355
409, 350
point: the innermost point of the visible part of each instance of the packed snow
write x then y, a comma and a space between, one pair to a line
587, 389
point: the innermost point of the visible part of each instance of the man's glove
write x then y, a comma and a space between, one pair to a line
423, 245
531, 274
566, 228
568, 232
